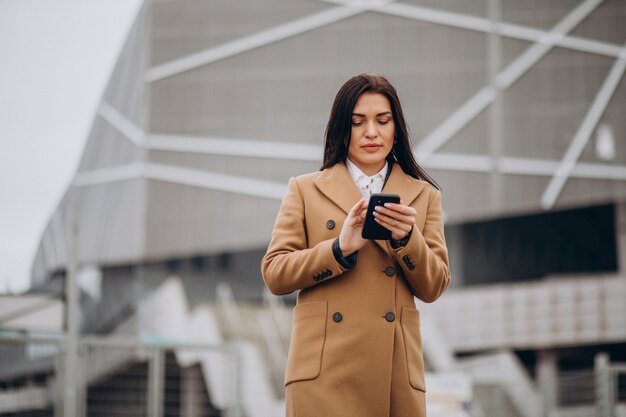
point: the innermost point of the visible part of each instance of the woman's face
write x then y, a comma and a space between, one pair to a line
372, 133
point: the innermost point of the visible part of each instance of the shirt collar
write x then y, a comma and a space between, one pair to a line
358, 175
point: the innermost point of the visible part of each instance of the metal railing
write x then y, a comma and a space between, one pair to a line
115, 377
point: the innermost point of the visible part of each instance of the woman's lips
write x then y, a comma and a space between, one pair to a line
371, 148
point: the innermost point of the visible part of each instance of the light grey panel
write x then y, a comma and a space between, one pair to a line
473, 139
284, 91
184, 220
111, 222
511, 49
107, 147
615, 119
278, 170
464, 195
537, 13
543, 110
181, 28
606, 23
126, 88
522, 193
470, 7
578, 191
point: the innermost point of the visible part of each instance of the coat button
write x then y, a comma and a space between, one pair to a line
330, 224
390, 271
390, 317
337, 317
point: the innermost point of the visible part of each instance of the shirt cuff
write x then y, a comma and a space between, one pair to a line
347, 262
395, 244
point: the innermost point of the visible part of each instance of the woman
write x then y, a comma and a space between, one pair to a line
356, 347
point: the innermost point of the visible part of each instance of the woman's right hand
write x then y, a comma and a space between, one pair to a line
350, 239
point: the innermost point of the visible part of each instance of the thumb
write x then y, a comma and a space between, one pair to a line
356, 207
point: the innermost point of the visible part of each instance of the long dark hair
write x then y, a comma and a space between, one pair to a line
338, 130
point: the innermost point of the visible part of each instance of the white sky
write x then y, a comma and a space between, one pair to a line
55, 60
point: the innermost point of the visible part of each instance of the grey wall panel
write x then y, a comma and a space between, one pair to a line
126, 88
107, 147
473, 139
606, 23
543, 110
522, 193
613, 118
536, 13
471, 7
591, 192
111, 222
464, 195
284, 91
510, 50
180, 28
184, 221
277, 170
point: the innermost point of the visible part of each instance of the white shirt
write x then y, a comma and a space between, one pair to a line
367, 185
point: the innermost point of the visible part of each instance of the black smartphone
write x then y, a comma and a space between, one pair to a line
371, 229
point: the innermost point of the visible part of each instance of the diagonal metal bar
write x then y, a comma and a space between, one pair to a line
216, 181
257, 40
443, 161
481, 100
108, 175
39, 304
256, 148
584, 132
234, 147
509, 30
533, 54
455, 122
121, 123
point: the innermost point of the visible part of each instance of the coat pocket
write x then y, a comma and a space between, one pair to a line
410, 322
307, 341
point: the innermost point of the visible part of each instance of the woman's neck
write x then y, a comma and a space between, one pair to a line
369, 170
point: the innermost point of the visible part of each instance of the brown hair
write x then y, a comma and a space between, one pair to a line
339, 127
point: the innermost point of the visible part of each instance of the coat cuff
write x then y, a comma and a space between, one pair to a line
347, 262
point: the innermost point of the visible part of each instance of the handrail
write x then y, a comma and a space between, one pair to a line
227, 303
277, 309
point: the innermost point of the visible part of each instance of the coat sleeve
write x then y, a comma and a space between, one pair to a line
424, 259
289, 263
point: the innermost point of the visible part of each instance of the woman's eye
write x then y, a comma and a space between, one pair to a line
384, 121
357, 123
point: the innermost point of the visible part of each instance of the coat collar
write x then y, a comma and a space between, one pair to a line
337, 185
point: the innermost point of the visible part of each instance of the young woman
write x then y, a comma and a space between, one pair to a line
356, 348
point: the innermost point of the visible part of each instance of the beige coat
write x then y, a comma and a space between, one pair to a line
356, 348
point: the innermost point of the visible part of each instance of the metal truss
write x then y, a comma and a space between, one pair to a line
427, 149
248, 148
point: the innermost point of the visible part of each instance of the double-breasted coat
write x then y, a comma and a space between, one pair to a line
356, 348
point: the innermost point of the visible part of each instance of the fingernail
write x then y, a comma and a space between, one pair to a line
387, 204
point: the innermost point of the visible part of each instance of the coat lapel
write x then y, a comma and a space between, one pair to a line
337, 185
403, 185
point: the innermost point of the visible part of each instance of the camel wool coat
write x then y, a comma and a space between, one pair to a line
356, 349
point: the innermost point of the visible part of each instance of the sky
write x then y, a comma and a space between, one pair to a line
55, 60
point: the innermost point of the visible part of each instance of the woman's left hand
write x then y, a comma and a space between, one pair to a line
397, 218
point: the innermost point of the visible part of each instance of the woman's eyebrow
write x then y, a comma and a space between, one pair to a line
379, 114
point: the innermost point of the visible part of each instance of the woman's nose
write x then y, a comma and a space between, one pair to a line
371, 130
